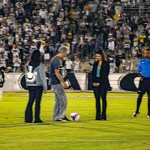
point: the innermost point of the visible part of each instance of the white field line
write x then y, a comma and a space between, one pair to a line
81, 141
95, 140
73, 96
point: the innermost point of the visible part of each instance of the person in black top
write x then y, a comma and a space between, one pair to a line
100, 83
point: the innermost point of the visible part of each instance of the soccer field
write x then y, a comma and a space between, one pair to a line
120, 132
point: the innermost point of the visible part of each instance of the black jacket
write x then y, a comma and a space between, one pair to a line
104, 73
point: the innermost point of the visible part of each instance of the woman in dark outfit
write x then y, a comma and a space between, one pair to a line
100, 83
36, 83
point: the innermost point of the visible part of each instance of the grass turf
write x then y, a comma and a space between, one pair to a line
120, 131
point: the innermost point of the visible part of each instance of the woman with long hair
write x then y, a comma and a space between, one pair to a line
36, 83
100, 83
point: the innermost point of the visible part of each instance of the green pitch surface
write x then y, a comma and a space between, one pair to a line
120, 132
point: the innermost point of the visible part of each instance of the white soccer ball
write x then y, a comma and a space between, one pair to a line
74, 116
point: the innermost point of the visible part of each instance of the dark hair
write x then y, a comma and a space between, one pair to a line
35, 58
101, 53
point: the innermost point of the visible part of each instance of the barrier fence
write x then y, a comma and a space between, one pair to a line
77, 81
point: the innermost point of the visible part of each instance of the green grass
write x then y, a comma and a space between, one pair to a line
120, 132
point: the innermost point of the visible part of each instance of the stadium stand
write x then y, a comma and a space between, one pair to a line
121, 28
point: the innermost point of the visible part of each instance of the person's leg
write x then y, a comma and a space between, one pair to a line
141, 92
60, 102
38, 96
148, 114
104, 102
28, 111
98, 105
148, 95
139, 100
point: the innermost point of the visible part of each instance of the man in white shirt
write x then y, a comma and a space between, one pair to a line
68, 65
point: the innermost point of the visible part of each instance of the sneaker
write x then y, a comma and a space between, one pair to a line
148, 116
135, 114
66, 119
58, 120
63, 119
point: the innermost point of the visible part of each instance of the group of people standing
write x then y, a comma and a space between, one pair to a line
100, 84
37, 86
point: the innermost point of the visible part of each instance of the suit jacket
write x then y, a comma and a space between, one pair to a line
104, 73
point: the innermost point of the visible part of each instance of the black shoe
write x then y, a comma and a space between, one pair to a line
97, 119
38, 121
58, 120
103, 117
28, 121
63, 119
66, 119
136, 114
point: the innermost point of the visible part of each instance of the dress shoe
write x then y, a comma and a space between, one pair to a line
28, 121
38, 121
136, 114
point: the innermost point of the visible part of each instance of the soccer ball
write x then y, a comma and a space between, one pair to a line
74, 116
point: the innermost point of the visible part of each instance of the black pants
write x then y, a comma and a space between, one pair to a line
144, 87
35, 94
68, 70
100, 93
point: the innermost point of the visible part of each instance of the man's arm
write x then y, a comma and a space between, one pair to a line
58, 75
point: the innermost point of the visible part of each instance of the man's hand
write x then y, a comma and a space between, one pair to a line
141, 78
65, 85
96, 84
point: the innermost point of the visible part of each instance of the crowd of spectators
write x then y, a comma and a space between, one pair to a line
83, 25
